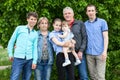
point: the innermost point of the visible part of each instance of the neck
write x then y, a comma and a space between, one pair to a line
92, 19
30, 27
44, 32
69, 22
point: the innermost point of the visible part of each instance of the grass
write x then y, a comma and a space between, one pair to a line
4, 59
5, 74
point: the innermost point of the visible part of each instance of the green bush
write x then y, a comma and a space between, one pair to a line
13, 13
113, 66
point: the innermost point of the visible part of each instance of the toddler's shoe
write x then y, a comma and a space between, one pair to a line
67, 62
77, 62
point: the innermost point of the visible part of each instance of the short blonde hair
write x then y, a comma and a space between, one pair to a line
40, 19
68, 8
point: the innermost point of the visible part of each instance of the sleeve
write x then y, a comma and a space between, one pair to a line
35, 54
12, 42
84, 37
51, 35
104, 26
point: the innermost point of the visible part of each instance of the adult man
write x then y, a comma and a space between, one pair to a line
80, 36
97, 31
25, 52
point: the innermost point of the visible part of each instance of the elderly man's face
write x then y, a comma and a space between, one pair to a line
68, 15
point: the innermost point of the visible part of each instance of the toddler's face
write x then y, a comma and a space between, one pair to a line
65, 27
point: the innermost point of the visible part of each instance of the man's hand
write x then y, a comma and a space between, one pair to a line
11, 59
33, 66
80, 54
104, 55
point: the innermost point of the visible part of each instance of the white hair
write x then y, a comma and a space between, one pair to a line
68, 8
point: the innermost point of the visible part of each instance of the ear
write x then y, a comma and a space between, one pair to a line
53, 24
86, 12
27, 19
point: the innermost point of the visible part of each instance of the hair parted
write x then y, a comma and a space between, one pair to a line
40, 19
34, 14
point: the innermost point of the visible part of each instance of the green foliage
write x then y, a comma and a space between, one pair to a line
13, 13
113, 65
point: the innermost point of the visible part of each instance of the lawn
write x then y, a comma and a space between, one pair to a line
4, 59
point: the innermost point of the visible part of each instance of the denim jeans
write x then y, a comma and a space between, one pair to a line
82, 69
43, 71
21, 65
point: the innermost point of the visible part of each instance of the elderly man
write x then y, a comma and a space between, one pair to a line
80, 36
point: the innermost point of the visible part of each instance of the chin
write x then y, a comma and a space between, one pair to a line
68, 19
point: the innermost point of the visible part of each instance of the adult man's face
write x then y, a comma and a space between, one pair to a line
68, 15
91, 12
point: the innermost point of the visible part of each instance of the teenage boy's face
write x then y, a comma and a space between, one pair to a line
32, 21
57, 25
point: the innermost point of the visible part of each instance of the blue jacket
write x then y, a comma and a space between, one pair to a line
40, 45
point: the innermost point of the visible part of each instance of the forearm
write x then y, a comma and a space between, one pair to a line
57, 42
105, 36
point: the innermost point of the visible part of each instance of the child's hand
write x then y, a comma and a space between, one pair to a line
73, 41
59, 35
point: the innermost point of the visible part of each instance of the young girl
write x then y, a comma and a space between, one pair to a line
68, 35
58, 48
45, 52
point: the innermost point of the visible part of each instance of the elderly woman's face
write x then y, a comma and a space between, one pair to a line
43, 25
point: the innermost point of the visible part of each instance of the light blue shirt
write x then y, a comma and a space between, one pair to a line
54, 34
26, 44
95, 29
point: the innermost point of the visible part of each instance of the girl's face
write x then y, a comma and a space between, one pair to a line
43, 25
57, 25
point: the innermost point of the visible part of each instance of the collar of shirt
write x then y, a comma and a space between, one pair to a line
39, 33
71, 23
29, 28
57, 31
92, 21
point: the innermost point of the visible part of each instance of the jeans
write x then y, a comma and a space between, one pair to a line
65, 72
43, 71
21, 65
82, 69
